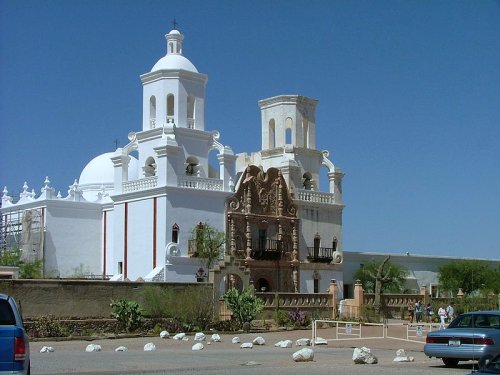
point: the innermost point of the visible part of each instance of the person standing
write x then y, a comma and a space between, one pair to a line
442, 316
418, 312
411, 311
450, 311
428, 312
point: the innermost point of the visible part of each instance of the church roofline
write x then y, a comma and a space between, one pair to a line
286, 99
173, 74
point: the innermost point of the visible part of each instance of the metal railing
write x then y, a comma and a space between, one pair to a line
320, 254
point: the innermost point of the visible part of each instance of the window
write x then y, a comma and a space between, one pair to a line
120, 268
316, 285
170, 105
150, 167
272, 133
334, 244
288, 130
175, 233
191, 166
152, 112
317, 243
6, 315
190, 111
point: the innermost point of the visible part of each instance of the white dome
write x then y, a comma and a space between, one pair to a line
100, 170
174, 62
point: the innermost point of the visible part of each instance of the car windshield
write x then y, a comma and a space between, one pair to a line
6, 315
476, 321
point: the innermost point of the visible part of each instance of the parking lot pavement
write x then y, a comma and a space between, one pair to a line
172, 356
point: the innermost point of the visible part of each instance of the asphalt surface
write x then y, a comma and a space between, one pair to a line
172, 357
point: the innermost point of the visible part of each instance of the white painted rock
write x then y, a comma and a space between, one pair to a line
320, 341
197, 346
303, 342
200, 336
303, 355
363, 355
164, 335
216, 337
404, 359
246, 345
47, 349
93, 348
400, 353
284, 344
149, 347
185, 338
259, 340
179, 336
235, 340
121, 349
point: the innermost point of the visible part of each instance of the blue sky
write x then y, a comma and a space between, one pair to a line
409, 99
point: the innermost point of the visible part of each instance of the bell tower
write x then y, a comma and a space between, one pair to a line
174, 90
288, 120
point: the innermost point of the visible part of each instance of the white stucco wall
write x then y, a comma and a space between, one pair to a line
73, 238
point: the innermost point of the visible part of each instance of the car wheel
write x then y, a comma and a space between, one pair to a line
450, 362
485, 359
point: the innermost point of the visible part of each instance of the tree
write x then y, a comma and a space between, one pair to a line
27, 270
209, 243
381, 277
469, 275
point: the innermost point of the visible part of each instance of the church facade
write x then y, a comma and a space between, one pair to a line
133, 211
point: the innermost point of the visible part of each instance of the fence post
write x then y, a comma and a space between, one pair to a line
332, 289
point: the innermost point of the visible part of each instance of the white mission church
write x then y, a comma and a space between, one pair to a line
132, 211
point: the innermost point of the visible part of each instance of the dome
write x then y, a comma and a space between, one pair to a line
100, 170
174, 62
174, 59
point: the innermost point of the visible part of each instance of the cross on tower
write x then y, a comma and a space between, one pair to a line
174, 22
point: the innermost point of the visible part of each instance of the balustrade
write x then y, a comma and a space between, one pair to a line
315, 196
141, 184
193, 182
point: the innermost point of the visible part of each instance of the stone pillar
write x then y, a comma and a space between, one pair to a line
249, 238
335, 179
358, 298
333, 290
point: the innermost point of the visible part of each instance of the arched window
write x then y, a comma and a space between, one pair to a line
175, 233
307, 181
272, 133
305, 132
317, 243
263, 285
288, 130
171, 46
191, 166
190, 112
334, 244
152, 111
170, 107
150, 167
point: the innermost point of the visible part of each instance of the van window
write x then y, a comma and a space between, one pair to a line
6, 314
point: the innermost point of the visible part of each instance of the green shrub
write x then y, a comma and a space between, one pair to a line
281, 318
244, 305
48, 326
370, 315
192, 306
128, 313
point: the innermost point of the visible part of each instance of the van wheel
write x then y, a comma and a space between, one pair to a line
450, 362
